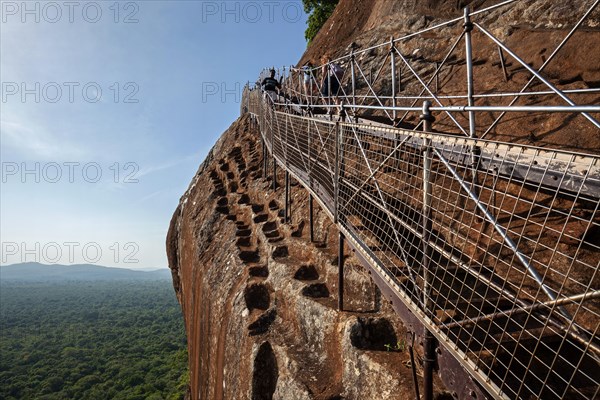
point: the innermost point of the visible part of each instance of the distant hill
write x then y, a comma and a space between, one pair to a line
36, 272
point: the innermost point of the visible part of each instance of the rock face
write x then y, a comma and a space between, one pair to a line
260, 300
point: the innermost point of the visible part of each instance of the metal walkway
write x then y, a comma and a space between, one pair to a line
492, 248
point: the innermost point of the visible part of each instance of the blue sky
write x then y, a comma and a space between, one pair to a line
107, 110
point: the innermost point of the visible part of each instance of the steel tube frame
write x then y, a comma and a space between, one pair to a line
373, 91
436, 73
500, 230
535, 73
533, 307
556, 50
431, 28
552, 109
491, 95
429, 91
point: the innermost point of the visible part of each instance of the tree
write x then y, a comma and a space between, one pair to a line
318, 12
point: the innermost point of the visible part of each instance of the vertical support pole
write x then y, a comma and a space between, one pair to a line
429, 355
264, 155
429, 359
311, 225
468, 26
427, 119
437, 77
336, 188
400, 79
274, 173
352, 60
393, 68
300, 90
414, 366
329, 91
341, 273
502, 63
287, 197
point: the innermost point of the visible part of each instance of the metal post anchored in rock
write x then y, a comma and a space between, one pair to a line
341, 273
310, 218
429, 344
265, 159
274, 173
287, 197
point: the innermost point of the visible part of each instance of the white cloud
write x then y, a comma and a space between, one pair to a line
34, 142
166, 165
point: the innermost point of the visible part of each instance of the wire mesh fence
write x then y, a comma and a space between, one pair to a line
495, 247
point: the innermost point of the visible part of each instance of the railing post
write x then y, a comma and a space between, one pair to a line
393, 68
501, 54
336, 188
329, 91
287, 197
437, 77
311, 228
468, 26
265, 160
353, 75
400, 79
341, 272
427, 119
274, 171
429, 355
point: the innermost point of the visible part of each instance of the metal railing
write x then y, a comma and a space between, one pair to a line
503, 272
493, 247
393, 85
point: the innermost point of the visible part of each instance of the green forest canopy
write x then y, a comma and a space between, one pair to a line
92, 340
318, 11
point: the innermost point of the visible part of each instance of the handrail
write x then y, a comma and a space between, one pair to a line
358, 95
332, 179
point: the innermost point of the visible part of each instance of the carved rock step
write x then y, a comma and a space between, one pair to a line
259, 218
316, 290
262, 323
306, 273
249, 256
260, 271
280, 252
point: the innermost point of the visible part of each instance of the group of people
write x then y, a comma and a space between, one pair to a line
330, 75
